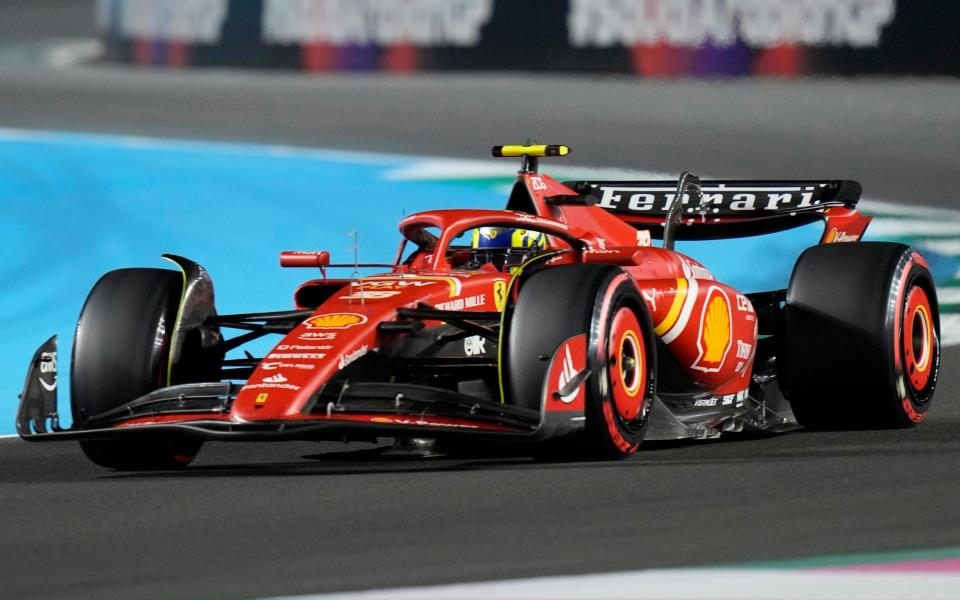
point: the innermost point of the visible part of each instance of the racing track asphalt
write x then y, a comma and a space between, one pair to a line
255, 520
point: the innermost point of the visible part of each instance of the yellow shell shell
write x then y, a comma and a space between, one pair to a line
335, 320
716, 330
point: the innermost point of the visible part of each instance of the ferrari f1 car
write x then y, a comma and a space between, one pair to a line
555, 322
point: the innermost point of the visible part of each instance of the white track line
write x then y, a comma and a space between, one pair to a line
687, 584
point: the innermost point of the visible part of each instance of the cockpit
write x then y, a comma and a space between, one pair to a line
477, 244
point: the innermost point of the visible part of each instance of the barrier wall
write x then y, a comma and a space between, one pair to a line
654, 38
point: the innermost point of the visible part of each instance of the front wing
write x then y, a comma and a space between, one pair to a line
202, 410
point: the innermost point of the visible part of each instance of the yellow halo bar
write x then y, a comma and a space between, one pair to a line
541, 150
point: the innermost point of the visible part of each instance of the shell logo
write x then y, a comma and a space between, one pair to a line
716, 331
335, 321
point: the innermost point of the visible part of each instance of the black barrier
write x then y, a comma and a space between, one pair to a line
655, 38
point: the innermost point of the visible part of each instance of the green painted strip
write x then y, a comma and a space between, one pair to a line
837, 560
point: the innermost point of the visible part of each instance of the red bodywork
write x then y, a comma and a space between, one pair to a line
708, 327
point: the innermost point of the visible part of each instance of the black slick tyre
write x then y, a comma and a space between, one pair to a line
602, 302
121, 351
861, 337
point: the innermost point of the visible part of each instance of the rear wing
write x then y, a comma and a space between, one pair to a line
724, 208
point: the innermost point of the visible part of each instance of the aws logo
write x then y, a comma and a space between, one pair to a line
716, 331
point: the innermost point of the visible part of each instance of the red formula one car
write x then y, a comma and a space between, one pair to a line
554, 322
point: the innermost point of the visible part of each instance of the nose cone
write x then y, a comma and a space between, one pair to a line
344, 330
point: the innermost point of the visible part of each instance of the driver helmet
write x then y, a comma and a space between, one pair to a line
507, 246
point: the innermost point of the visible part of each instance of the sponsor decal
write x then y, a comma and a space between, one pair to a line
500, 294
742, 396
728, 399
423, 23
744, 305
273, 366
370, 295
417, 280
48, 364
567, 372
692, 270
537, 184
651, 297
346, 359
528, 218
418, 422
261, 400
277, 381
716, 331
644, 238
317, 335
391, 284
569, 359
335, 321
287, 356
741, 365
836, 237
302, 347
712, 401
272, 386
758, 24
463, 303
718, 200
744, 350
191, 22
474, 345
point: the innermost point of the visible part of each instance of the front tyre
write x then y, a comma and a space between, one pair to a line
602, 303
121, 351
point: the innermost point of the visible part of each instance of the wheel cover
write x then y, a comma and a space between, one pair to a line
918, 339
628, 364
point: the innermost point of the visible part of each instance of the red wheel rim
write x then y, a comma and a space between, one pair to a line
919, 339
628, 364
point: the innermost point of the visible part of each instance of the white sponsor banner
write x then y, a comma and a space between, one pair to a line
189, 21
758, 23
381, 22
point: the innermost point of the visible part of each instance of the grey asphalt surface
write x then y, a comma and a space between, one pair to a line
253, 520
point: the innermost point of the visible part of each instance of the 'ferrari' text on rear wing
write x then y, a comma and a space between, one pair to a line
726, 208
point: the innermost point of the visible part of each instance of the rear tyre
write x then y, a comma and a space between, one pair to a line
600, 301
121, 351
861, 337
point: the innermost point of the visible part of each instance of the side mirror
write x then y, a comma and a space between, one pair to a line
304, 259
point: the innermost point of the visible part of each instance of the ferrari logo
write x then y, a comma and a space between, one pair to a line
261, 400
500, 294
